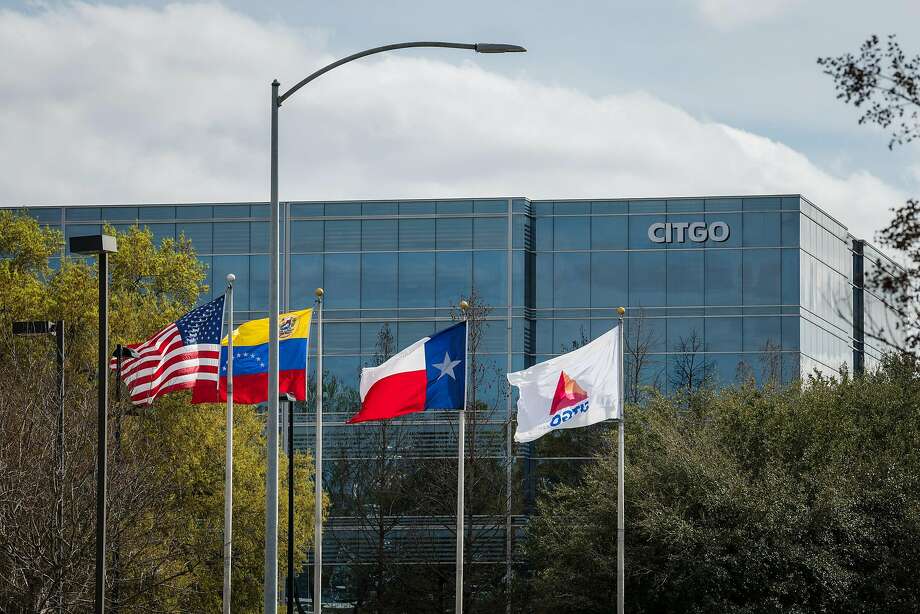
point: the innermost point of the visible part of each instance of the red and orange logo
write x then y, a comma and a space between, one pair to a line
568, 393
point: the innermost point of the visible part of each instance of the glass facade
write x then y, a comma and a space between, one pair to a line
716, 290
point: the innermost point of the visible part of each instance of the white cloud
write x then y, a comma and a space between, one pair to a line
106, 104
729, 14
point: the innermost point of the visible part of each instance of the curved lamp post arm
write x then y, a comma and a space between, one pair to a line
477, 47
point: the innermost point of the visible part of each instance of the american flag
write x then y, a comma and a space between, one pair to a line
184, 354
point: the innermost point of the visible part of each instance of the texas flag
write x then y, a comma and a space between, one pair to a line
429, 374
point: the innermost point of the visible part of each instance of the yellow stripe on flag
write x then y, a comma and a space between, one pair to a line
292, 325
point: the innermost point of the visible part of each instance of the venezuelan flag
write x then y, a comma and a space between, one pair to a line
250, 360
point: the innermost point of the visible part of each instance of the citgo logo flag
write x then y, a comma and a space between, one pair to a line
572, 390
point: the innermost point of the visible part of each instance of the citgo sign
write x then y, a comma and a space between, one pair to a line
681, 232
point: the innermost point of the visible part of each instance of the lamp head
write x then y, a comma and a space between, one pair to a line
498, 48
93, 244
33, 328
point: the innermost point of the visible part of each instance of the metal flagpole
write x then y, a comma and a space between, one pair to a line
270, 579
621, 452
318, 464
461, 458
228, 470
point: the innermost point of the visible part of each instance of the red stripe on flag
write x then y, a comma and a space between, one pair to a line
394, 395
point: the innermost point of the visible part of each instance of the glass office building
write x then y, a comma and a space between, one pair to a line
716, 289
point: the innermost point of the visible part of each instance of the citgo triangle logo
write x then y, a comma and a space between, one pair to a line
568, 393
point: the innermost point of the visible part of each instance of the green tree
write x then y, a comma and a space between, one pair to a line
795, 499
165, 506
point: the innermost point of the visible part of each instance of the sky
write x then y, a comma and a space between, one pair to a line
169, 102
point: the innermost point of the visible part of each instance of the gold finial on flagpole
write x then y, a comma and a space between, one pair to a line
621, 311
464, 306
319, 292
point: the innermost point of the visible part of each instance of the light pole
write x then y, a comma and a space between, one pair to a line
271, 487
101, 246
57, 329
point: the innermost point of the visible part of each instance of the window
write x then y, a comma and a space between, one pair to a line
260, 237
790, 223
490, 277
686, 335
306, 276
378, 235
157, 213
544, 280
648, 279
378, 280
761, 229
116, 214
343, 235
340, 209
194, 212
685, 277
723, 334
454, 277
638, 231
45, 215
231, 237
543, 234
416, 234
571, 233
410, 332
231, 211
455, 206
306, 236
571, 280
791, 279
258, 285
416, 279
306, 209
490, 233
609, 279
342, 276
760, 276
380, 208
723, 273
342, 338
609, 232
82, 214
762, 333
239, 266
455, 233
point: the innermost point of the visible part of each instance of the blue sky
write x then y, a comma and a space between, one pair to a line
612, 99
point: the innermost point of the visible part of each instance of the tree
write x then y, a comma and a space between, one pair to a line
884, 83
166, 472
692, 370
780, 499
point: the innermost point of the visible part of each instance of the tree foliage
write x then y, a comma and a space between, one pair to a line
796, 499
884, 83
166, 465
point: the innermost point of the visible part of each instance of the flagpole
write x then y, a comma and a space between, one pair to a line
621, 453
461, 459
318, 464
228, 469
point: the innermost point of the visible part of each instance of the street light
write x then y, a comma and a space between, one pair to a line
271, 487
30, 329
101, 246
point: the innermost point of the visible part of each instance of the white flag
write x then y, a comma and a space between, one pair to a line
572, 390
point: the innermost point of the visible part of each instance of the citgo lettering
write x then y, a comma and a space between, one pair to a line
567, 414
680, 232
